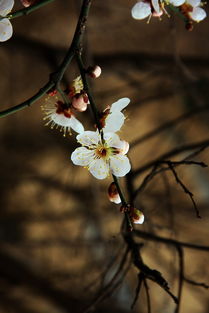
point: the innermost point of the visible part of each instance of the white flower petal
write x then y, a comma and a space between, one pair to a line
61, 120
82, 156
112, 140
141, 10
155, 4
6, 30
194, 3
114, 121
6, 6
177, 3
88, 138
120, 104
99, 168
198, 14
120, 165
76, 125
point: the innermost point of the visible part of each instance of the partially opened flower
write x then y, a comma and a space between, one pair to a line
6, 30
59, 115
113, 194
112, 118
136, 216
102, 156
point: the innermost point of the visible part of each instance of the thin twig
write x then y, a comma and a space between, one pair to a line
192, 282
185, 189
201, 144
149, 310
167, 241
181, 275
138, 288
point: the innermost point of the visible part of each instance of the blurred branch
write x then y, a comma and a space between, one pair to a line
192, 282
152, 237
168, 125
201, 144
185, 189
181, 275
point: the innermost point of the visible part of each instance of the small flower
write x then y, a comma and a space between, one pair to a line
59, 115
6, 30
192, 11
136, 216
101, 156
113, 193
94, 71
112, 118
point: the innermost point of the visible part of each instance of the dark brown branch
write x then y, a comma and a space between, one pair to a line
201, 144
167, 241
181, 276
192, 282
138, 288
185, 189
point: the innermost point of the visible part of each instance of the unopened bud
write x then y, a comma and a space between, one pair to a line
27, 3
113, 193
52, 92
137, 216
94, 71
80, 102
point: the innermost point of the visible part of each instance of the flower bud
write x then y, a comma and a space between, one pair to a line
52, 92
79, 102
94, 71
113, 193
27, 3
136, 216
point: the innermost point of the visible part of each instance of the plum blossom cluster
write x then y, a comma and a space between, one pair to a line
191, 10
102, 151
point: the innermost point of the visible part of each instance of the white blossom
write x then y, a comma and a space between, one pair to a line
6, 30
197, 14
177, 3
60, 116
113, 117
141, 10
102, 156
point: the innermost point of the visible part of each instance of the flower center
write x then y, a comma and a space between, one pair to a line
62, 108
103, 152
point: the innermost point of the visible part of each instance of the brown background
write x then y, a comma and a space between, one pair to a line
58, 231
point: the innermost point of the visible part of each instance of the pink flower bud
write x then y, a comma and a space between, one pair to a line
136, 216
113, 193
27, 3
52, 92
94, 71
80, 102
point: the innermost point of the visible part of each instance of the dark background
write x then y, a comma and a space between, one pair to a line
58, 231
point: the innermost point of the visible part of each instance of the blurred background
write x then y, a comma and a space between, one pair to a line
60, 240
